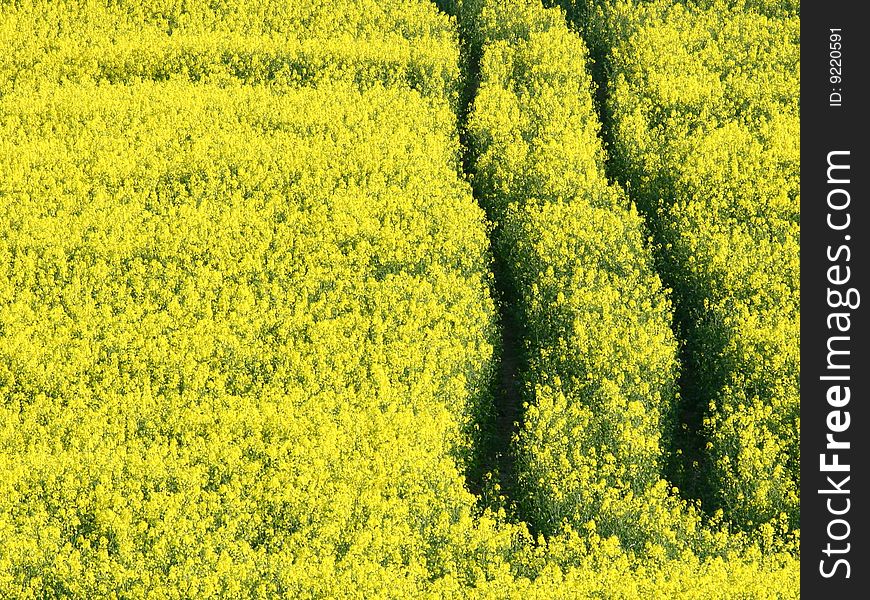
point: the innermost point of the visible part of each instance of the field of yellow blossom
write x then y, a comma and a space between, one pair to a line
399, 299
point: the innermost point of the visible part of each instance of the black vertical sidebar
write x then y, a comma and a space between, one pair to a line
835, 299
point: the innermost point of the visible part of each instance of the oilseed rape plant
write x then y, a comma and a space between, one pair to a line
602, 354
255, 265
704, 106
272, 42
201, 308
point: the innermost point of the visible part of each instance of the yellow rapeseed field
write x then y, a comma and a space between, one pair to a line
251, 326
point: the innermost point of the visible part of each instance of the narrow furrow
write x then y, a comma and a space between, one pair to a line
714, 170
685, 448
590, 350
492, 472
